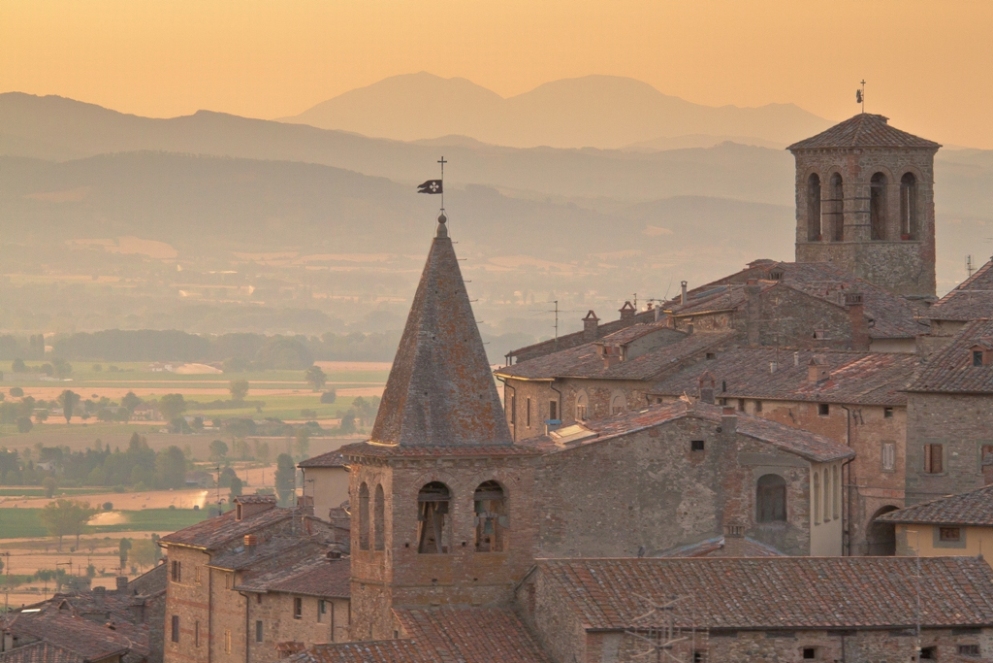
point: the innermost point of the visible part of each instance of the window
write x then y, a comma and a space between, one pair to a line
758, 406
836, 508
837, 208
699, 656
582, 402
929, 653
741, 405
258, 598
258, 631
379, 520
889, 456
227, 641
828, 500
877, 206
816, 497
174, 632
553, 410
710, 356
809, 653
618, 404
363, 517
934, 458
968, 650
237, 514
908, 206
432, 519
297, 608
814, 208
952, 534
770, 494
322, 609
977, 357
823, 409
177, 571
696, 445
887, 413
196, 573
528, 415
490, 509
196, 634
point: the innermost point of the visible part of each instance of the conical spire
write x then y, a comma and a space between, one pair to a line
440, 391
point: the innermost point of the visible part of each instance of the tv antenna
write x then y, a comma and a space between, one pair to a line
860, 95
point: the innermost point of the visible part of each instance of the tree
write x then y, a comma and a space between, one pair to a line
347, 425
170, 468
218, 450
18, 366
24, 425
315, 377
286, 477
130, 401
63, 517
62, 368
302, 436
236, 486
68, 400
46, 576
122, 550
171, 406
329, 397
40, 416
49, 484
16, 392
238, 389
143, 553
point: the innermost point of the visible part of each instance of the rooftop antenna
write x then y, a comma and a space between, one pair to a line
969, 267
556, 312
860, 95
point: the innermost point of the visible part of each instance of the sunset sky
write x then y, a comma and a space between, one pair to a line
927, 62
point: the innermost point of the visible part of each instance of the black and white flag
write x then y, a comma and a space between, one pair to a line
431, 186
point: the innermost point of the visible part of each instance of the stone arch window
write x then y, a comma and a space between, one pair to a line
770, 499
836, 191
490, 508
433, 522
379, 520
618, 404
814, 208
582, 406
815, 497
877, 206
908, 206
363, 517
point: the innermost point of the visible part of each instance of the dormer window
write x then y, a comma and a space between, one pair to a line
982, 353
977, 357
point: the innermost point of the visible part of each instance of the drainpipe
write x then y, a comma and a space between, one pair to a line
846, 477
248, 607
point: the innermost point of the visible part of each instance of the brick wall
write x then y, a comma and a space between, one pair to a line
276, 612
189, 599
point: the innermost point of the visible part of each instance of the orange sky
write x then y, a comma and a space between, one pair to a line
928, 62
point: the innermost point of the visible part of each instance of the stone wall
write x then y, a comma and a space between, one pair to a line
963, 424
276, 612
189, 599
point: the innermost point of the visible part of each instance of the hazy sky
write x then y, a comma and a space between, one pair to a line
927, 62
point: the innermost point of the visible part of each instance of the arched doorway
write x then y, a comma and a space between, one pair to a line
881, 537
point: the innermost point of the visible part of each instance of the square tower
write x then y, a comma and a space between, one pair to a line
865, 203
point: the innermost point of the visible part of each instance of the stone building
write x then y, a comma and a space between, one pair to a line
970, 300
249, 581
325, 482
865, 203
949, 445
956, 525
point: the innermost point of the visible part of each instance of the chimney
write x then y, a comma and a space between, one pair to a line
250, 542
752, 312
627, 312
333, 555
817, 371
796, 358
590, 326
729, 421
99, 593
705, 386
773, 366
856, 316
734, 540
122, 584
611, 354
683, 295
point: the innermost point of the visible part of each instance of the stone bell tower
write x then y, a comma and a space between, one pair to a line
441, 499
865, 203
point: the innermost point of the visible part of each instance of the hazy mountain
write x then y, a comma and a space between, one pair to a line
593, 111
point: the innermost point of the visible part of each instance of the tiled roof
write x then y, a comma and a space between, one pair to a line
716, 547
950, 370
440, 391
330, 459
255, 499
585, 361
578, 338
41, 652
215, 532
779, 592
863, 130
970, 300
361, 449
277, 550
858, 378
972, 508
445, 635
89, 640
316, 575
793, 440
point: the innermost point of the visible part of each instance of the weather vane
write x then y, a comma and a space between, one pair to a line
860, 95
435, 186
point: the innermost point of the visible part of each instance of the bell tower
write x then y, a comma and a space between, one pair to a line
865, 203
441, 498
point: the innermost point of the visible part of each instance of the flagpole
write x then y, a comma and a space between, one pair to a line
442, 162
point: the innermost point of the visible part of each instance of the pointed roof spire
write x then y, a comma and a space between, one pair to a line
440, 391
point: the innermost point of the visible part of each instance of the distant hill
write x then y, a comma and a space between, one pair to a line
606, 112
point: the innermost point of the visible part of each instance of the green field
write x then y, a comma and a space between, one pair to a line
25, 523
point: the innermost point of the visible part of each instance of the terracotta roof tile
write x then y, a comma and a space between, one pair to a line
585, 361
972, 508
951, 370
859, 378
970, 300
220, 530
579, 338
864, 130
91, 641
315, 575
361, 449
41, 652
440, 391
470, 635
330, 459
780, 592
716, 547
